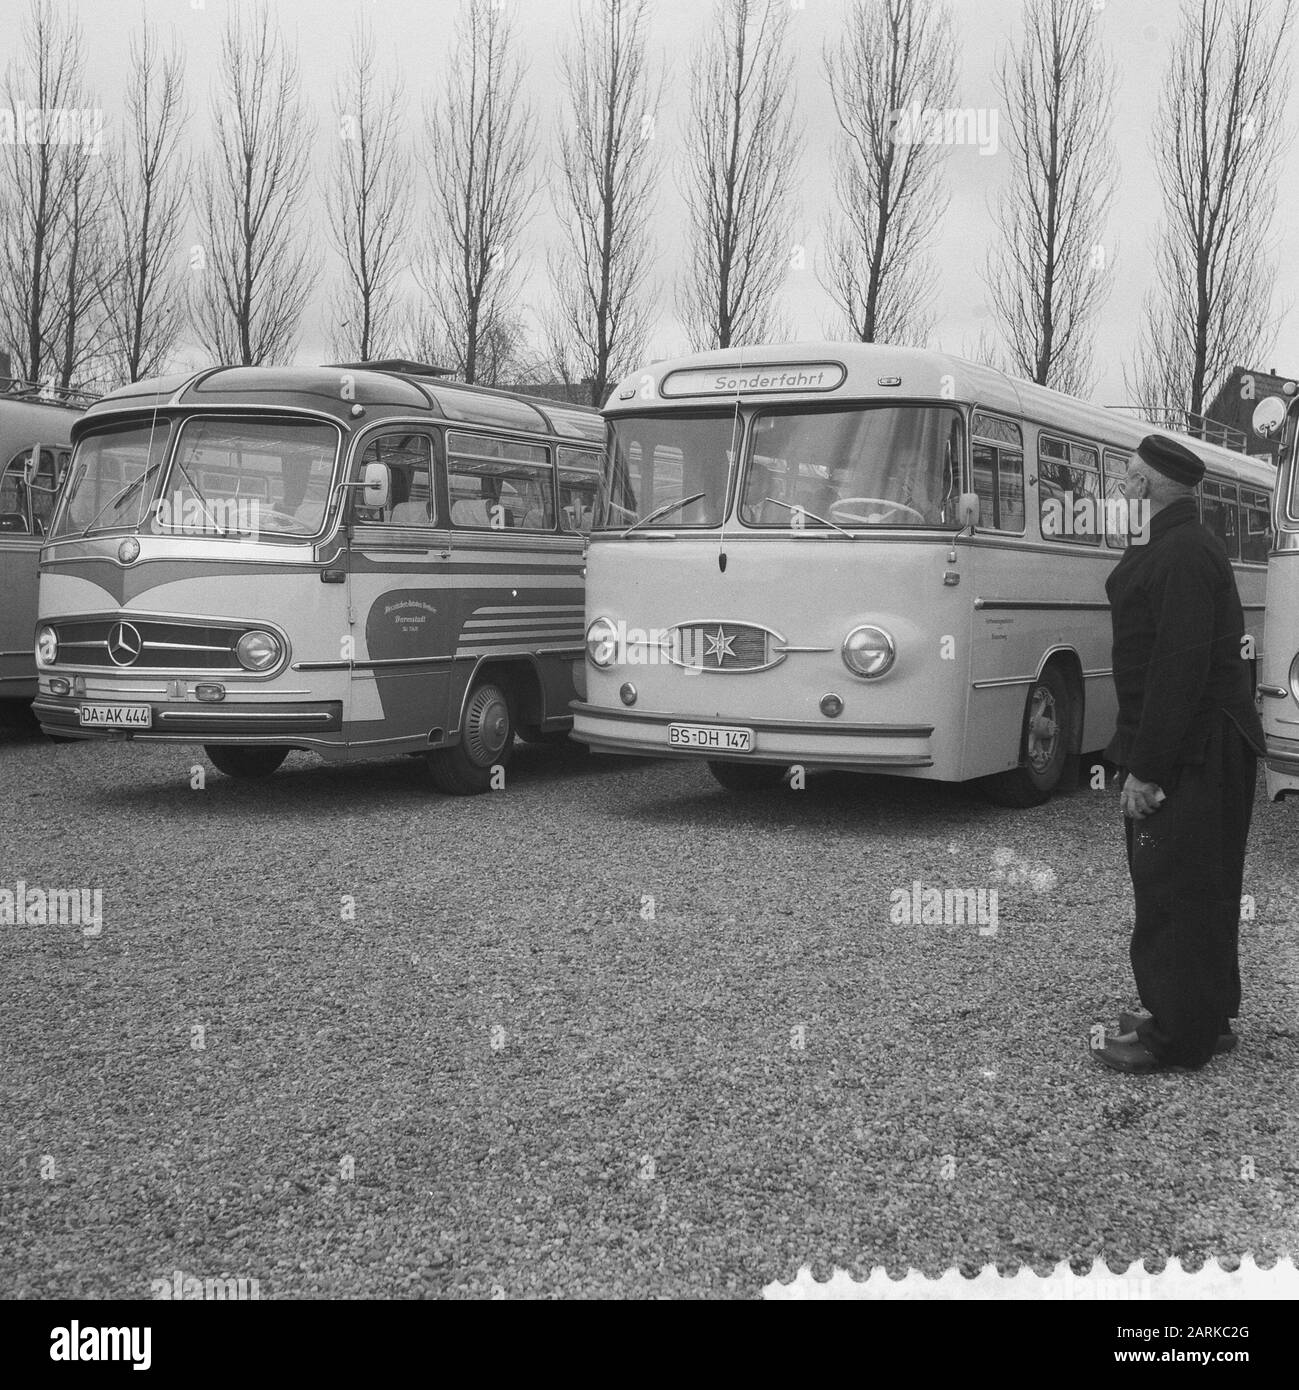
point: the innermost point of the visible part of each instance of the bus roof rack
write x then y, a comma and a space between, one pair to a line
1196, 426
46, 394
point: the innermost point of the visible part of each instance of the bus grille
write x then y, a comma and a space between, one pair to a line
139, 644
722, 646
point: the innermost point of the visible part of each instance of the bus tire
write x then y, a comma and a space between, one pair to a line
748, 777
244, 762
486, 743
1046, 737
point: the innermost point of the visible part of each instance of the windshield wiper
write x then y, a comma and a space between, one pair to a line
120, 495
823, 520
664, 510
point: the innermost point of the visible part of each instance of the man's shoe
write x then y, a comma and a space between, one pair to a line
1226, 1041
1134, 1057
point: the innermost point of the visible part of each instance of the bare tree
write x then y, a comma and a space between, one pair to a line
1217, 139
608, 169
43, 102
1045, 274
891, 57
480, 149
257, 266
741, 150
145, 297
367, 202
84, 266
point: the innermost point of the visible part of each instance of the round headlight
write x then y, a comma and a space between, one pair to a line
1294, 676
47, 646
601, 643
258, 650
868, 652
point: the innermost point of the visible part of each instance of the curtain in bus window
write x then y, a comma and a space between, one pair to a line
876, 466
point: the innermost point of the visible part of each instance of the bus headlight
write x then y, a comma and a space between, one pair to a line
47, 646
1294, 676
869, 652
258, 650
601, 643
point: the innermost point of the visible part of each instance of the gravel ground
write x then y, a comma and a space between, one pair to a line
511, 1074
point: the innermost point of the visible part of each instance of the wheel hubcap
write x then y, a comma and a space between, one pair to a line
487, 726
1043, 729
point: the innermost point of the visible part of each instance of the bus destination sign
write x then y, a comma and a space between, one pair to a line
773, 376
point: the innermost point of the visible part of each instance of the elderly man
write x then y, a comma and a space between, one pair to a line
1187, 738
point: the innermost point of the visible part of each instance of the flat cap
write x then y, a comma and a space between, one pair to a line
1170, 458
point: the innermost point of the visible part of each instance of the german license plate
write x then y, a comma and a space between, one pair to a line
116, 716
711, 738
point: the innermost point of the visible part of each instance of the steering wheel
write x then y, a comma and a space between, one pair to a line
884, 502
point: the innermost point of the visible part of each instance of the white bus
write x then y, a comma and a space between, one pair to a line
864, 557
1279, 671
352, 561
35, 444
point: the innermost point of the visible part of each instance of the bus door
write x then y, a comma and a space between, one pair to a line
398, 599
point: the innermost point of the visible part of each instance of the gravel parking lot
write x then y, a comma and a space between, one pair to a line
613, 1031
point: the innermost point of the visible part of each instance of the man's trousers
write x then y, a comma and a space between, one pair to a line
1187, 862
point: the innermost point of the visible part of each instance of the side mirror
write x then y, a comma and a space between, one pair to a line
968, 509
1269, 416
33, 467
377, 486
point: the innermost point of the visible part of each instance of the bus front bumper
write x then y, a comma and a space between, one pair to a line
197, 722
1282, 768
885, 747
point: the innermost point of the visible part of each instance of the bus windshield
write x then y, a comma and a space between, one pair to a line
114, 476
889, 465
676, 465
250, 479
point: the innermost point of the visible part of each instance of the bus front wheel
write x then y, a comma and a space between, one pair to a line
245, 762
748, 777
1046, 739
486, 742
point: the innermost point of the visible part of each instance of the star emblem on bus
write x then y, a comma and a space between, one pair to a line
719, 645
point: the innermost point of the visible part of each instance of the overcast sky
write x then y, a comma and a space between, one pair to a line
413, 36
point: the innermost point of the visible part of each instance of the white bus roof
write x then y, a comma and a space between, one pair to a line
826, 372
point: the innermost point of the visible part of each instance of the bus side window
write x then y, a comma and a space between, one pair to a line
14, 517
1116, 507
1218, 512
1255, 526
409, 460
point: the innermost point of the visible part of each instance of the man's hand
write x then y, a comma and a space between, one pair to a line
1140, 799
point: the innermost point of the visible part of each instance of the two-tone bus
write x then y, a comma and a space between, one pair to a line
1279, 672
356, 562
855, 556
35, 444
